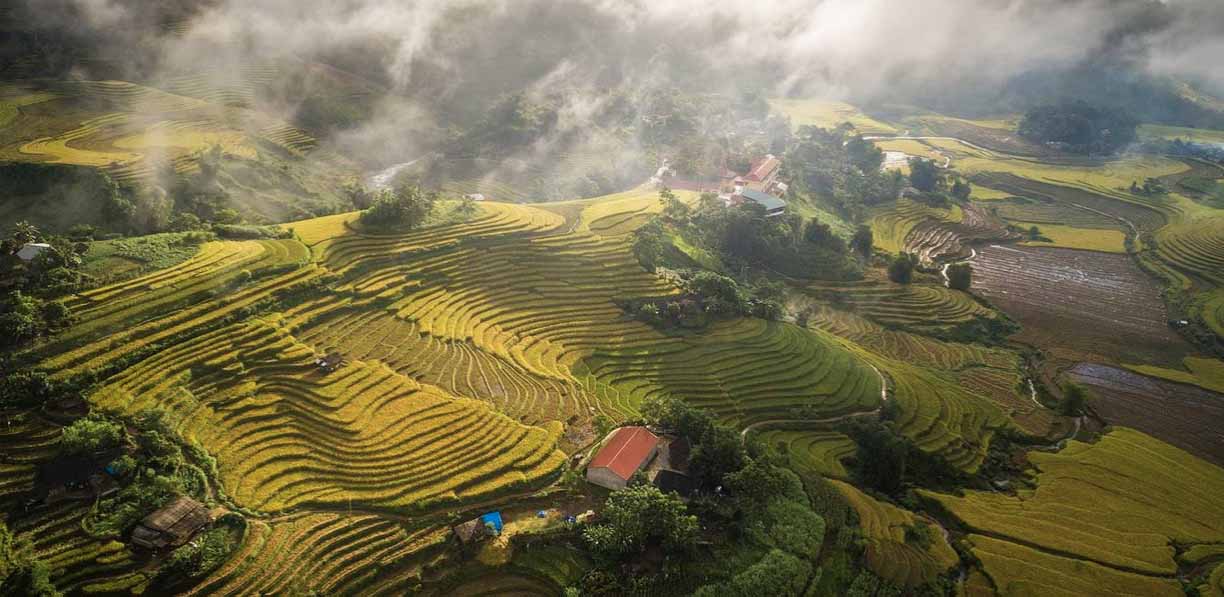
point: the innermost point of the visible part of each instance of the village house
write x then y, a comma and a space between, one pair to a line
172, 525
627, 451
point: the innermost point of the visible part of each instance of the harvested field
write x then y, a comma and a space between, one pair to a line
1114, 309
1185, 416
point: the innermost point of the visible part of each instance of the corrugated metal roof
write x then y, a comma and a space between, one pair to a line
769, 202
625, 453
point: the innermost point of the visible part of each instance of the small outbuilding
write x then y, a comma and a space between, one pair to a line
173, 525
30, 251
330, 362
628, 450
478, 529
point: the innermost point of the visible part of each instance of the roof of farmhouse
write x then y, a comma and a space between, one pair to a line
625, 452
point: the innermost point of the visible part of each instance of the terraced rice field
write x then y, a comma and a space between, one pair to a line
128, 129
901, 306
1016, 570
285, 436
744, 371
818, 452
125, 317
1066, 203
942, 417
1187, 417
27, 440
990, 372
1118, 504
79, 563
1196, 248
889, 555
325, 553
892, 226
1114, 308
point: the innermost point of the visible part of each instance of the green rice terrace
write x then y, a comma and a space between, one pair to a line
387, 298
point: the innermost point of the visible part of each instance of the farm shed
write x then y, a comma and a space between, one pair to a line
670, 471
30, 251
479, 528
174, 524
628, 451
471, 531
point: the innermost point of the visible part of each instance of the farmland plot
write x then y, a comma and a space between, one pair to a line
889, 554
1184, 416
1120, 504
1114, 309
284, 435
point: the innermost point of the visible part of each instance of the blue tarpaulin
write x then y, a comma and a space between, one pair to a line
494, 518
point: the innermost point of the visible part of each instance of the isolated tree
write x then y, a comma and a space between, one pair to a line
925, 175
1074, 399
901, 270
960, 276
862, 241
961, 189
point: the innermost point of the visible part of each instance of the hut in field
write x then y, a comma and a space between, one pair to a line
628, 451
479, 528
172, 525
330, 362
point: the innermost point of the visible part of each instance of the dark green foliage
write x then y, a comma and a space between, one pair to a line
901, 270
90, 435
961, 189
206, 552
842, 169
1079, 127
778, 573
404, 208
716, 449
926, 175
822, 236
21, 572
649, 242
1074, 400
863, 241
960, 276
636, 517
920, 535
889, 462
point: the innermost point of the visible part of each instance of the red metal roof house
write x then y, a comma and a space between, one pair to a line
628, 451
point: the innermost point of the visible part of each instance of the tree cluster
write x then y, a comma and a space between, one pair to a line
405, 208
1079, 127
843, 168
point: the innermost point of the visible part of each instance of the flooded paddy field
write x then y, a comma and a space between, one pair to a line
1185, 416
1079, 305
